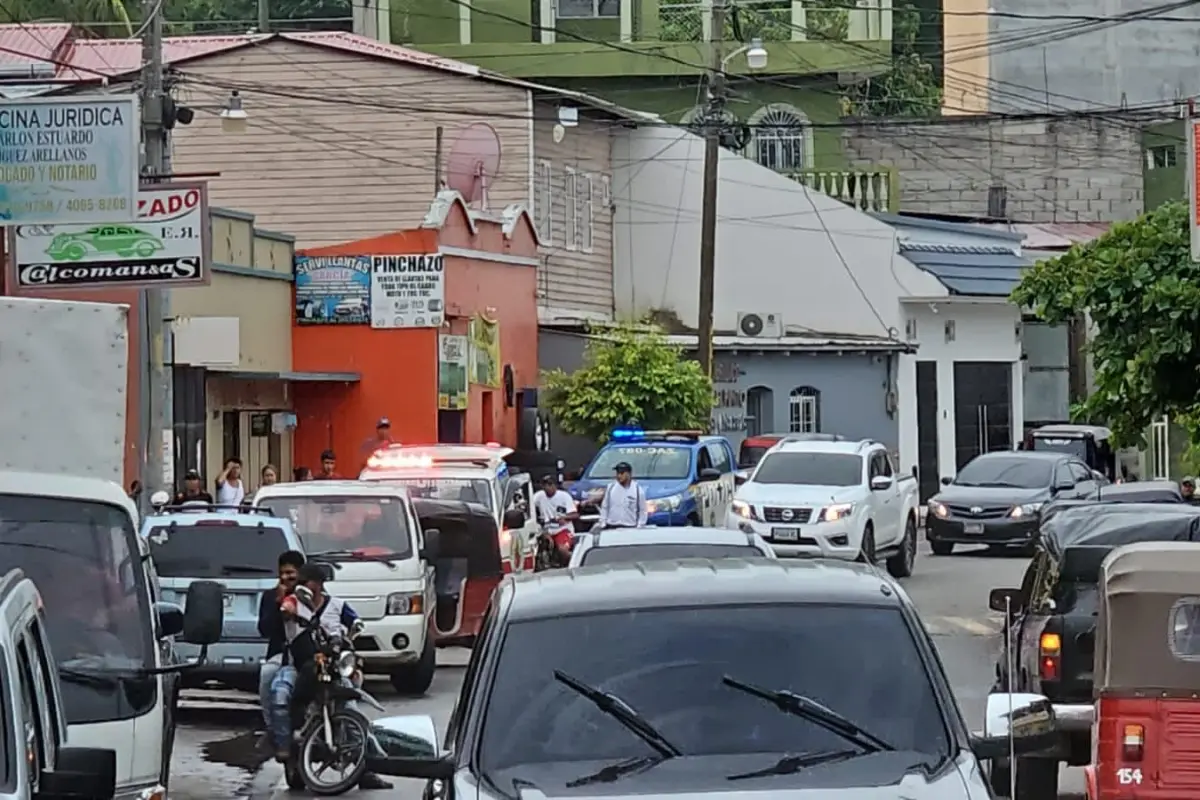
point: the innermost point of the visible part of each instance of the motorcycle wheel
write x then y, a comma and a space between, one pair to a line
345, 723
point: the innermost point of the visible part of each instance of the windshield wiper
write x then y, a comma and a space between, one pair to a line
809, 709
791, 764
93, 679
623, 713
245, 569
356, 555
614, 772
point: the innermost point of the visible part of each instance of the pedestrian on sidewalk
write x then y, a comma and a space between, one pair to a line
381, 439
230, 490
329, 467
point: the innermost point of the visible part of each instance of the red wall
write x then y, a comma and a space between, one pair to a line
398, 368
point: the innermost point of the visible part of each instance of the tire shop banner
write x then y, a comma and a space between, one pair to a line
408, 291
166, 247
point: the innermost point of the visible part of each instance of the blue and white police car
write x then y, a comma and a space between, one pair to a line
688, 477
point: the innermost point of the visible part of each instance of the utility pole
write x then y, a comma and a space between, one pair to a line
712, 156
160, 435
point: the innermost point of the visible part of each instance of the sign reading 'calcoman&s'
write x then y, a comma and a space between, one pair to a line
167, 246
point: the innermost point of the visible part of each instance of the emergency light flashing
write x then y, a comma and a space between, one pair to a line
386, 460
630, 434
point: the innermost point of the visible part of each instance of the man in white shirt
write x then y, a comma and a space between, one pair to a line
230, 489
552, 504
624, 503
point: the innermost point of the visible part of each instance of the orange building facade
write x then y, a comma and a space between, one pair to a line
490, 273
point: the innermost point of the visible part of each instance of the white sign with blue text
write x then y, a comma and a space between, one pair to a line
408, 291
69, 160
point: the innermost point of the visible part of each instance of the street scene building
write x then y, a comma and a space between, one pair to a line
396, 301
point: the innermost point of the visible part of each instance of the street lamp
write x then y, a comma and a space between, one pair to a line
756, 55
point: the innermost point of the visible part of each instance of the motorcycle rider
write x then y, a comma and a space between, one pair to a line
553, 505
624, 503
332, 614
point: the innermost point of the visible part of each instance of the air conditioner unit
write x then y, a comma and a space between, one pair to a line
759, 323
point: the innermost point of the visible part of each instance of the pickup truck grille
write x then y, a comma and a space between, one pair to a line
798, 516
984, 512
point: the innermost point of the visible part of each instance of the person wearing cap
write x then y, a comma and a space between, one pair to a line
1187, 487
624, 503
381, 439
193, 489
328, 467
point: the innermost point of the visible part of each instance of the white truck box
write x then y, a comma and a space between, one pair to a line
63, 368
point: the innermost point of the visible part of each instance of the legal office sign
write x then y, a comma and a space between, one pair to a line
69, 160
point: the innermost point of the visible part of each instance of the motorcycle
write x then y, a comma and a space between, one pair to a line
332, 734
548, 554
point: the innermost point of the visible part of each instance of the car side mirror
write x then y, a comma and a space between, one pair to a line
80, 773
710, 474
741, 476
1063, 486
1025, 723
408, 748
432, 541
881, 482
515, 519
1004, 600
203, 613
946, 481
170, 619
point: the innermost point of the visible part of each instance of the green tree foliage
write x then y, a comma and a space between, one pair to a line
1140, 288
629, 374
911, 88
100, 17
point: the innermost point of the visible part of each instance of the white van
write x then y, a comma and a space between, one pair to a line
77, 540
371, 536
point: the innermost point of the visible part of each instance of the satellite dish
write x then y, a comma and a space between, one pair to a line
473, 162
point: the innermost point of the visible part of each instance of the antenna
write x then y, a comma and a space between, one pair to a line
474, 162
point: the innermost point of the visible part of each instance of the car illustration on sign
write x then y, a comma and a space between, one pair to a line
120, 240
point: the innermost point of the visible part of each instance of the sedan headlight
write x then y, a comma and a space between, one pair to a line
347, 663
742, 509
837, 512
1025, 510
938, 510
661, 504
401, 603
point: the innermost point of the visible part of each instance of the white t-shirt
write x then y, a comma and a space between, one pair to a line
230, 495
550, 508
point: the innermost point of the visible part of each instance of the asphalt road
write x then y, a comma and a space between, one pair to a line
215, 754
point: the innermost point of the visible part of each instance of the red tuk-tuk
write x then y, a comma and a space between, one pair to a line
1146, 734
467, 566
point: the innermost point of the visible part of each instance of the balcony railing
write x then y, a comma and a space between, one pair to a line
865, 189
778, 20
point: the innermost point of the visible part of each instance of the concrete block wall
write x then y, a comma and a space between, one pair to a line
1062, 170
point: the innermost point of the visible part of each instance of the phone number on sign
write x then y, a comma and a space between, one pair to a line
96, 204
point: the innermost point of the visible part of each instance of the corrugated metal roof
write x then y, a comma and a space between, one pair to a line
91, 58
32, 43
1054, 235
980, 271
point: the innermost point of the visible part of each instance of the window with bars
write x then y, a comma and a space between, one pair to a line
543, 202
804, 410
780, 139
571, 206
583, 201
1162, 157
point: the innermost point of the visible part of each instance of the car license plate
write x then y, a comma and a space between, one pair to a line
785, 534
228, 602
972, 527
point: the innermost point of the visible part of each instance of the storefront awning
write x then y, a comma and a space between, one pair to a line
295, 377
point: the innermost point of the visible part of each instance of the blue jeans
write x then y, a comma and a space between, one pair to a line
283, 689
266, 674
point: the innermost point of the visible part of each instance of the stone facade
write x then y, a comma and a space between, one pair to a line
1061, 170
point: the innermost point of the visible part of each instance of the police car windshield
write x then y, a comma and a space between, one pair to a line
216, 549
325, 523
463, 490
649, 461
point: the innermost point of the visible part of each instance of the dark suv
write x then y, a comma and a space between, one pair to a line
693, 677
1051, 627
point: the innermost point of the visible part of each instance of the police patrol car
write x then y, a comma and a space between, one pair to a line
688, 477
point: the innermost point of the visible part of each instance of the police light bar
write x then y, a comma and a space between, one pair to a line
627, 433
383, 459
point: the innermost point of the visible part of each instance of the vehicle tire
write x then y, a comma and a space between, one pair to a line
145, 249
415, 679
692, 521
291, 773
74, 252
866, 552
900, 565
342, 719
941, 548
1037, 779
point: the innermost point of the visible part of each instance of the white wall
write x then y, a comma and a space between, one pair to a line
984, 330
773, 252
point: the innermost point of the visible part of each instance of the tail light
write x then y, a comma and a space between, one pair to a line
1133, 742
1050, 656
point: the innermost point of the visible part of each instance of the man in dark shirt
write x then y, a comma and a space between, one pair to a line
193, 490
270, 624
329, 467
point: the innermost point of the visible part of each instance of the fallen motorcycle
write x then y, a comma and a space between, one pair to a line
333, 734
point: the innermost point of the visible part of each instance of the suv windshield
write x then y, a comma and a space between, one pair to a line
810, 469
216, 549
84, 559
374, 524
1006, 471
464, 490
668, 664
649, 461
656, 552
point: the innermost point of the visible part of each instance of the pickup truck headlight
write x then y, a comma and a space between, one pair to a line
938, 510
401, 603
835, 513
742, 509
661, 504
1025, 510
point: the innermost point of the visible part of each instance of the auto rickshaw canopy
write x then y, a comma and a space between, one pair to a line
1148, 626
465, 531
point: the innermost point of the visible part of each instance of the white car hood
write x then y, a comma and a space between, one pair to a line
784, 494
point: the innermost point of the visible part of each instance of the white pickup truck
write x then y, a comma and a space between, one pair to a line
833, 498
